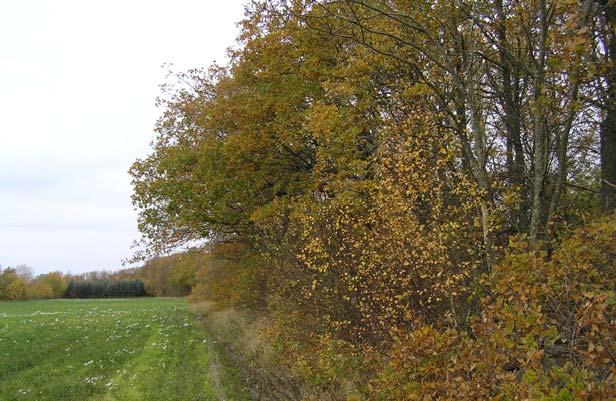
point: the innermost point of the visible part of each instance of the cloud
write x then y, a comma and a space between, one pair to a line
77, 87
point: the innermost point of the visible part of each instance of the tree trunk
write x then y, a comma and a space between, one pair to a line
608, 126
512, 118
540, 155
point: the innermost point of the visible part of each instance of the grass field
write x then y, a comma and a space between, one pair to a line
113, 349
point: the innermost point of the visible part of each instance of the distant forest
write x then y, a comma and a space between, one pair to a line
105, 289
166, 276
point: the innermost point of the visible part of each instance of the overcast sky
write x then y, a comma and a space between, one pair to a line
78, 80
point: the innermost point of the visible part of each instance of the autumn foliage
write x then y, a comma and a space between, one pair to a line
545, 331
18, 283
403, 191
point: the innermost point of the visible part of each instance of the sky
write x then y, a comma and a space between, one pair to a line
78, 81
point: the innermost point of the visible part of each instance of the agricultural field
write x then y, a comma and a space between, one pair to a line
111, 349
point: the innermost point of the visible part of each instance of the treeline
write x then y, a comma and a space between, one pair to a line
18, 283
164, 276
169, 276
105, 289
404, 190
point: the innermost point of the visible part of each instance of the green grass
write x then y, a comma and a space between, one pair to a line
105, 350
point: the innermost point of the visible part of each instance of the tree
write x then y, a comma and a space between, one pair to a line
469, 55
606, 36
56, 282
41, 290
15, 283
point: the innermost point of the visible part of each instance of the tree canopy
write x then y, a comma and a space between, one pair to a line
405, 179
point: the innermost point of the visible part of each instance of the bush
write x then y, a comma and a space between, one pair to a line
546, 331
